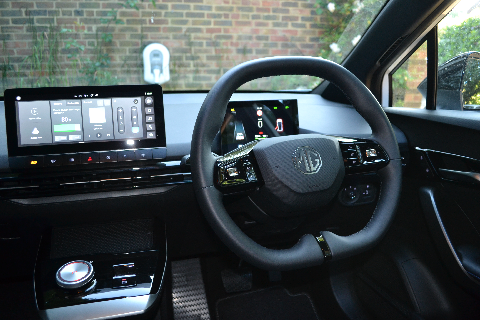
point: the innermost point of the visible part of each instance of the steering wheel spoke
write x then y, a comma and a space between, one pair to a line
237, 171
362, 155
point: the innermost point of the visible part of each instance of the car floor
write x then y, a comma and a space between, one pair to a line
403, 278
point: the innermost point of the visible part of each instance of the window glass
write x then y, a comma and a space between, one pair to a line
409, 85
102, 42
458, 60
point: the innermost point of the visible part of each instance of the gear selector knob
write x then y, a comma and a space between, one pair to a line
74, 274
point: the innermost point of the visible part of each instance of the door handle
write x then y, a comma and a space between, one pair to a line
463, 176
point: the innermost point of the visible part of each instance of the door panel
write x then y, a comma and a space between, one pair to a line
446, 157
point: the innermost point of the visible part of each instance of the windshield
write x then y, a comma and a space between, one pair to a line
184, 46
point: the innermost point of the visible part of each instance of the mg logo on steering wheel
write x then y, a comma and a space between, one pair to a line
307, 160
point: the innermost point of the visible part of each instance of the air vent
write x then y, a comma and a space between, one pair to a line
84, 182
390, 50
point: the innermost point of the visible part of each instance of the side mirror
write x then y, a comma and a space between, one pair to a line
458, 86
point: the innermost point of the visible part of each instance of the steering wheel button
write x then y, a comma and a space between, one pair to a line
351, 154
371, 153
352, 162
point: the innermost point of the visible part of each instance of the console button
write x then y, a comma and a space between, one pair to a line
109, 156
74, 274
150, 126
90, 157
149, 110
34, 162
121, 120
150, 118
149, 100
121, 270
151, 135
159, 153
53, 160
134, 114
125, 281
17, 162
143, 154
72, 158
126, 155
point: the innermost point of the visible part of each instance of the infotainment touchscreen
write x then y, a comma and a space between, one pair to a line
75, 119
246, 121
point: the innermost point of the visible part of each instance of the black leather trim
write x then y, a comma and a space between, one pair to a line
305, 253
373, 232
470, 258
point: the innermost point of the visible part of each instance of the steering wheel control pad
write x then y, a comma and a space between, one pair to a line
300, 172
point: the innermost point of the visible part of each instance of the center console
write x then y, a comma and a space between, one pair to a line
101, 270
70, 141
84, 139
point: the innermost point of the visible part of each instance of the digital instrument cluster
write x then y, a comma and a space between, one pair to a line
247, 121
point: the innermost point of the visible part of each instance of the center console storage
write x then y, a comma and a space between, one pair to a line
102, 270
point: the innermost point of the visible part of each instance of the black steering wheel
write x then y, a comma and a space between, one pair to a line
302, 171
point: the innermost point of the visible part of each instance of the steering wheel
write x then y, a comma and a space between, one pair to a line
294, 173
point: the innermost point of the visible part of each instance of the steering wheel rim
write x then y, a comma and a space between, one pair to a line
307, 252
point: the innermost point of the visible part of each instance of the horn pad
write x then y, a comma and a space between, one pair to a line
301, 172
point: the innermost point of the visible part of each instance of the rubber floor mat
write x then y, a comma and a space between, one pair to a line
188, 291
268, 304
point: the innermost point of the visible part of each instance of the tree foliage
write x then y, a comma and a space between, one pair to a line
344, 22
453, 40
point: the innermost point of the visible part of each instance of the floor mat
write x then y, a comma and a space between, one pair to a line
272, 303
188, 291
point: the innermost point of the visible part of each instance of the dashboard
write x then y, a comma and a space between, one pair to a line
315, 115
157, 187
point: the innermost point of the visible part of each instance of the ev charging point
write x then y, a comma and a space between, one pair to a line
156, 59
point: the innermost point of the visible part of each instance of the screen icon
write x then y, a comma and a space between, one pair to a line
279, 126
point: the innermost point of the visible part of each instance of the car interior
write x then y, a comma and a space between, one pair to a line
355, 197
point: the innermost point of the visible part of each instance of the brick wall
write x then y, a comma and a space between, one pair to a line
417, 70
205, 38
407, 78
